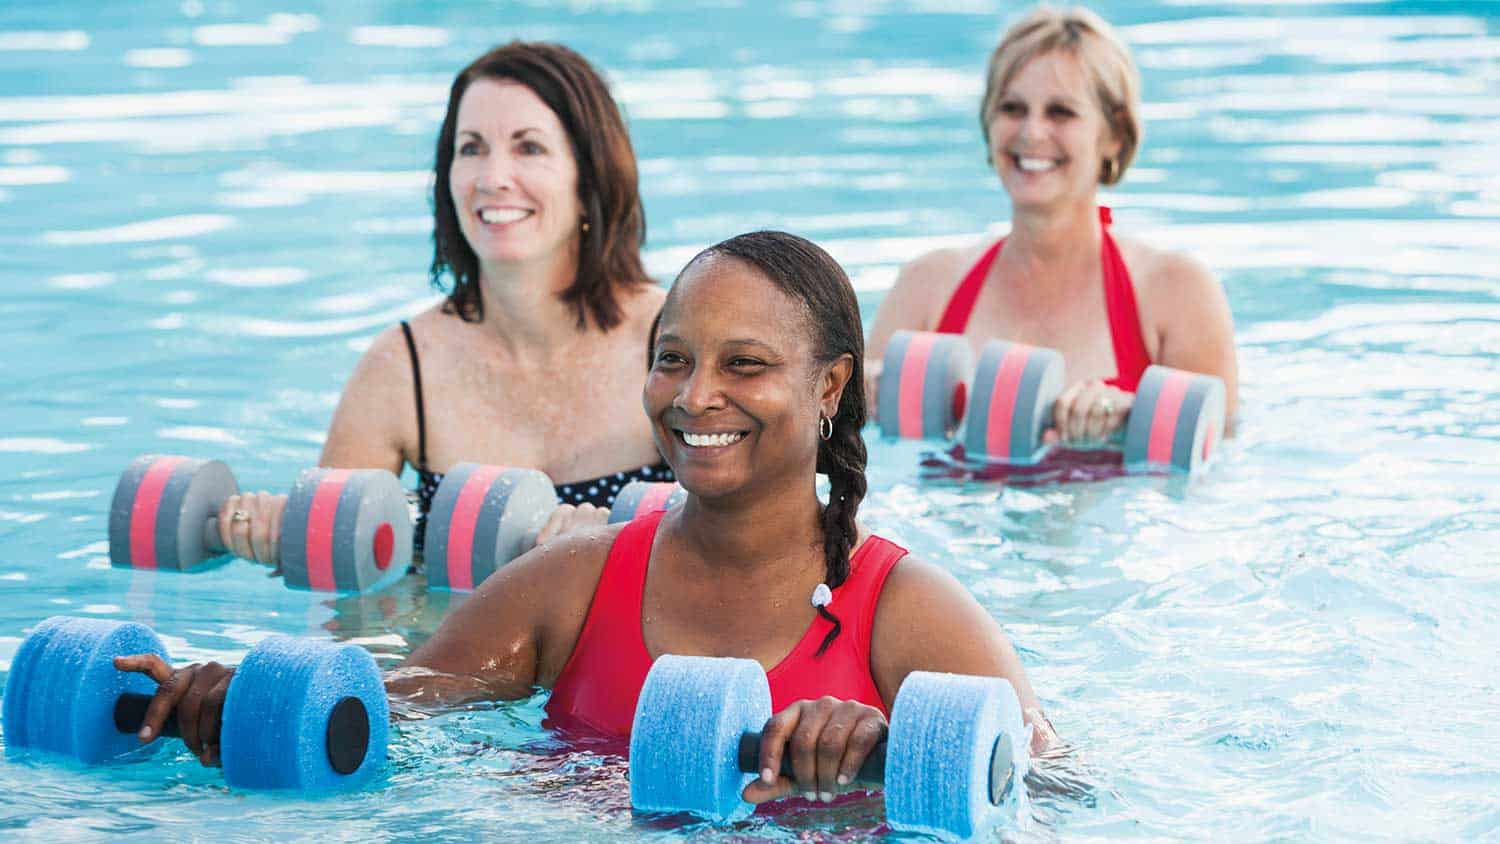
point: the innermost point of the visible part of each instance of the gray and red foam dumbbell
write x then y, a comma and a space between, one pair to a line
300, 714
483, 517
925, 392
343, 530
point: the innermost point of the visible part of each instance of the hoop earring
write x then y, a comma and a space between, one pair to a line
825, 428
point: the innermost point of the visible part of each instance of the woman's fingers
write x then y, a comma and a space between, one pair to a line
866, 733
210, 711
169, 695
833, 741
770, 784
826, 739
151, 665
556, 525
1062, 411
568, 518
260, 535
273, 527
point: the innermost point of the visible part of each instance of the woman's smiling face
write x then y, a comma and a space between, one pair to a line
1048, 136
514, 181
734, 388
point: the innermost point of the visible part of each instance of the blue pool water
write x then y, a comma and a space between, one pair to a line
208, 208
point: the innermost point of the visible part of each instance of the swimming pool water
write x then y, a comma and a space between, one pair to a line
208, 208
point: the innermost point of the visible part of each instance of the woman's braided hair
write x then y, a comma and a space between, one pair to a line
803, 271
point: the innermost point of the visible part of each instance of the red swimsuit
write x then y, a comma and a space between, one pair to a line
602, 680
1131, 357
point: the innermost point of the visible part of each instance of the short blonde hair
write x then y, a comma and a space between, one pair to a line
1104, 57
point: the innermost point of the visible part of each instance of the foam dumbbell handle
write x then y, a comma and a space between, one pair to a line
871, 771
348, 735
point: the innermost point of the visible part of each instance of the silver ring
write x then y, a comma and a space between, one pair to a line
239, 516
1108, 406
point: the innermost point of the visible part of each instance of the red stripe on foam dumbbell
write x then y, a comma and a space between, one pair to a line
321, 514
1002, 411
914, 382
144, 511
1164, 420
465, 519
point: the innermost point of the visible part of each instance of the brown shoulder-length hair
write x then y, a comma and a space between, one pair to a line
609, 250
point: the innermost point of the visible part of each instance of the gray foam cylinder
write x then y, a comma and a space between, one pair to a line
1035, 392
193, 494
628, 502
515, 505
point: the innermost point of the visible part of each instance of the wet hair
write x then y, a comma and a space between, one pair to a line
803, 271
609, 252
1105, 60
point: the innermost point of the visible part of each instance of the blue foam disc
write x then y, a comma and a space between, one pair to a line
275, 719
945, 729
684, 741
61, 691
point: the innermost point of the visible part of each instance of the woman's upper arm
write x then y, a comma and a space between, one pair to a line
927, 621
1196, 328
367, 431
519, 627
908, 304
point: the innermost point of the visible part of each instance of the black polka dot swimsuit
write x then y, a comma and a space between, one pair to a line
600, 491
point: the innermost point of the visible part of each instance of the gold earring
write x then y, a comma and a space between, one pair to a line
585, 226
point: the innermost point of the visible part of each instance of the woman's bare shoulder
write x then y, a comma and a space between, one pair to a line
1166, 274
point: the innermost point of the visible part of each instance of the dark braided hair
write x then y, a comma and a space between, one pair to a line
803, 271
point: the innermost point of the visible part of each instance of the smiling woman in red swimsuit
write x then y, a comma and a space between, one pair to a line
1060, 117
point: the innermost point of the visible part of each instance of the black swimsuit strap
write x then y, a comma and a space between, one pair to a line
416, 377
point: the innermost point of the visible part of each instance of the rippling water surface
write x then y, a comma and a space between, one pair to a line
207, 209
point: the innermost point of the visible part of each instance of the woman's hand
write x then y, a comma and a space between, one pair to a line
1088, 413
568, 518
250, 525
196, 693
827, 740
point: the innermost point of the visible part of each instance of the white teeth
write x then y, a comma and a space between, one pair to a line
711, 440
503, 215
1035, 165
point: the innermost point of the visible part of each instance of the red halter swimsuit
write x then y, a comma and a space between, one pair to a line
1131, 357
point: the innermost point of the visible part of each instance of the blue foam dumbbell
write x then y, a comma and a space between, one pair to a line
300, 714
953, 763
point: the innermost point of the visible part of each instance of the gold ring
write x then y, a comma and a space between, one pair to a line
239, 516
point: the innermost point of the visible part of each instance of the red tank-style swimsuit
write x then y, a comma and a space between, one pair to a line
601, 682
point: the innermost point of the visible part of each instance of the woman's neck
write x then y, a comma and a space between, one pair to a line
523, 311
1043, 243
752, 533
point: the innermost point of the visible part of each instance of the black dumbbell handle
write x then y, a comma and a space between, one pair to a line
346, 742
871, 772
212, 540
130, 714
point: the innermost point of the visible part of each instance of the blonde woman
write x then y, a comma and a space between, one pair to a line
1061, 117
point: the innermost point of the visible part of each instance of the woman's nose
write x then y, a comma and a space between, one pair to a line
498, 174
699, 392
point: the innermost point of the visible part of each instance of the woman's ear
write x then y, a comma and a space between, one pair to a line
834, 380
